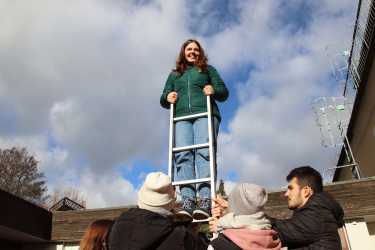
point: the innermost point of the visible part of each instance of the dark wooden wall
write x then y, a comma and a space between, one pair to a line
22, 219
69, 226
356, 197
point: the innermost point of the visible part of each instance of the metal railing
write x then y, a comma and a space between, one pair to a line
357, 61
362, 38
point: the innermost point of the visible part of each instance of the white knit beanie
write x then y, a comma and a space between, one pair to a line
247, 199
156, 191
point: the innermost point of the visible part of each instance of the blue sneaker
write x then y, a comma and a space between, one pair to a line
186, 211
204, 210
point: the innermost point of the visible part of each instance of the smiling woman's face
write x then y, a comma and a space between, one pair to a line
192, 52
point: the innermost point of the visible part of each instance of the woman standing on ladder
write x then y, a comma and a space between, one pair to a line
187, 87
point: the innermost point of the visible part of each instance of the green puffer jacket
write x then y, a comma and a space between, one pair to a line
189, 86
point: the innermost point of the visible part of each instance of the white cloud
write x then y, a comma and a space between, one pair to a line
273, 129
66, 120
111, 62
107, 190
87, 76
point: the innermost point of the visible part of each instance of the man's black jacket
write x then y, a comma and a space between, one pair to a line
313, 226
139, 229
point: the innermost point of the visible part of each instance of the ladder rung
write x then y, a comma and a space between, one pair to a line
186, 148
205, 220
190, 117
195, 181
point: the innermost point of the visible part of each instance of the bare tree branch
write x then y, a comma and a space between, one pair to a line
19, 175
71, 193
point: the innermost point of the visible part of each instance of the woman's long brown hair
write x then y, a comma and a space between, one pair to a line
96, 236
182, 63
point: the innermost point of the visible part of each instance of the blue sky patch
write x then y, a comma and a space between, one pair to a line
233, 82
8, 119
293, 16
137, 172
206, 18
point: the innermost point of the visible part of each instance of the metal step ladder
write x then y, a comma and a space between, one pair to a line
209, 145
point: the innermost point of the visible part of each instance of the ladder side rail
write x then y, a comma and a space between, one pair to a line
211, 149
212, 157
171, 142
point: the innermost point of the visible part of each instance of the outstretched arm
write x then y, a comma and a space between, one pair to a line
218, 209
303, 228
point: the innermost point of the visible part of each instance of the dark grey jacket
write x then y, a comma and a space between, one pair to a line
314, 226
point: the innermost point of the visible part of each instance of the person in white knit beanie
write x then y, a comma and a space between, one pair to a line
151, 225
157, 194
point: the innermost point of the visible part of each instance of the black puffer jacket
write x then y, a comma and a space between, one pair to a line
314, 226
139, 229
223, 243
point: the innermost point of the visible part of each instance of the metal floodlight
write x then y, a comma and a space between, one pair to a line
332, 117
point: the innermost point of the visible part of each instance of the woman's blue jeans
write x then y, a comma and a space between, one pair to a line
194, 164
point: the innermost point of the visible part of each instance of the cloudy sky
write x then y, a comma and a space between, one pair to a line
80, 83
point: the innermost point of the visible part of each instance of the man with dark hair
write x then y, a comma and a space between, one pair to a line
316, 215
307, 176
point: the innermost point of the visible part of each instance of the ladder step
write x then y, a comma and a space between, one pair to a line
190, 117
186, 148
199, 221
195, 181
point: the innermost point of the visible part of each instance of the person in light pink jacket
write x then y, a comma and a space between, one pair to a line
245, 226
